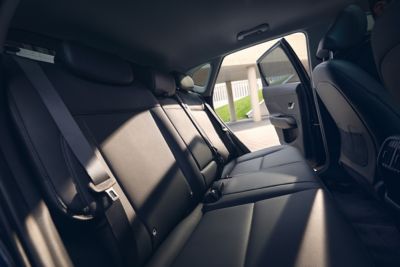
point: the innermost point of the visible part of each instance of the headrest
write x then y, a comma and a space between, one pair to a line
185, 82
160, 83
94, 65
348, 30
386, 47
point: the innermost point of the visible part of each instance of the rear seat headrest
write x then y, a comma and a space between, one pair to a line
161, 83
348, 30
94, 65
185, 82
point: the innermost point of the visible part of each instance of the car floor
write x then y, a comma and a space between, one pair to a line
374, 223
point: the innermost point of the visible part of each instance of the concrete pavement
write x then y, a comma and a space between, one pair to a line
255, 135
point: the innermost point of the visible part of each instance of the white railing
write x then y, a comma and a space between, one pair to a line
239, 89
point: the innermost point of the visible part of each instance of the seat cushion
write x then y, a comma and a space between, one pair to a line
273, 181
300, 229
263, 174
262, 160
296, 172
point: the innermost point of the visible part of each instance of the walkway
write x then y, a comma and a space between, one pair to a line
255, 135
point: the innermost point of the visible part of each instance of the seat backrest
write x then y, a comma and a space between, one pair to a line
164, 87
355, 99
126, 123
386, 46
204, 119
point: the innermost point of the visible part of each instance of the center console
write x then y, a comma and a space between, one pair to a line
389, 169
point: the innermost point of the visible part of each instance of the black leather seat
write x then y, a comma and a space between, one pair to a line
258, 161
386, 46
362, 110
300, 229
258, 173
157, 180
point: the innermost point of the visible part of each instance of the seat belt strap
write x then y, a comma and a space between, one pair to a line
188, 112
88, 156
224, 128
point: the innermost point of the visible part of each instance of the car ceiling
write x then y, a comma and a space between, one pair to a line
174, 35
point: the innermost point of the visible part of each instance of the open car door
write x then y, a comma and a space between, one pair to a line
289, 99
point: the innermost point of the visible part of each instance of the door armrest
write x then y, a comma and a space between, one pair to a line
282, 121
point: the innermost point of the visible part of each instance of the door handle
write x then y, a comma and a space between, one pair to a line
291, 105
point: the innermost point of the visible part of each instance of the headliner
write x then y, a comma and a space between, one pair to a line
168, 34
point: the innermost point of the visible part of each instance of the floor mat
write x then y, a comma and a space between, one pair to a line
373, 223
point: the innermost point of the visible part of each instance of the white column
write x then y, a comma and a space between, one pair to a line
231, 102
253, 90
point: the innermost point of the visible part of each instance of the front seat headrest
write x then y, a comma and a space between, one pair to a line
348, 30
386, 47
94, 65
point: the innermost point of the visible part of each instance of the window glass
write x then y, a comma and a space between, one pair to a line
277, 68
201, 75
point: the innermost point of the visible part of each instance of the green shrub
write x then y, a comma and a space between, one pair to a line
242, 106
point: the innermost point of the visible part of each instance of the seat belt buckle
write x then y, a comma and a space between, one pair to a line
106, 187
214, 194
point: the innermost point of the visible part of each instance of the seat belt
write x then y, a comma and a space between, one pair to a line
225, 129
88, 156
218, 157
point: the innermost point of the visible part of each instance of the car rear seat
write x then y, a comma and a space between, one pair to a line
260, 160
157, 182
279, 168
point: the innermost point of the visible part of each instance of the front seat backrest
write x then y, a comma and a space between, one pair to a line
386, 46
353, 97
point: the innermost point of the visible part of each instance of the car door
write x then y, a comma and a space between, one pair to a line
288, 95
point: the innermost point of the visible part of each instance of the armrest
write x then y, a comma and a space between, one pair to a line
283, 121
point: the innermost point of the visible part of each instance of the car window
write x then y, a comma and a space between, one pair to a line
277, 68
233, 77
201, 77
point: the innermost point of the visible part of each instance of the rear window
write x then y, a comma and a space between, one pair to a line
201, 77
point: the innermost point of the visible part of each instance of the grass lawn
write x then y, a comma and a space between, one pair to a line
242, 106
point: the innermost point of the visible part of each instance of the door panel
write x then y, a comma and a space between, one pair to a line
288, 96
284, 107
